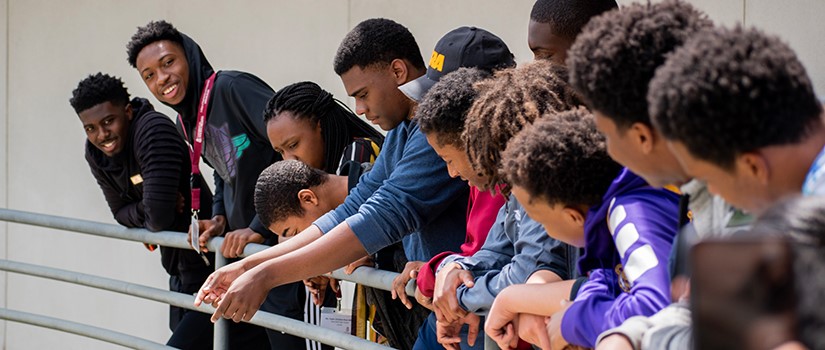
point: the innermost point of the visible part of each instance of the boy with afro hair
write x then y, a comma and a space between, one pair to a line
138, 160
746, 121
517, 249
611, 65
560, 170
739, 112
554, 25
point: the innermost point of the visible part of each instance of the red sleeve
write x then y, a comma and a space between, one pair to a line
482, 208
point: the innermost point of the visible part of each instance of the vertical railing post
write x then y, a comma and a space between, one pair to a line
221, 339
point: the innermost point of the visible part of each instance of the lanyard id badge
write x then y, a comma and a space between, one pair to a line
195, 149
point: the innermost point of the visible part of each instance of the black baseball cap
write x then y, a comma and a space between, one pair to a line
461, 47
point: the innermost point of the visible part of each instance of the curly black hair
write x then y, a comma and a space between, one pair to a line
377, 41
568, 17
731, 91
561, 159
802, 220
276, 193
614, 58
443, 110
151, 32
507, 102
339, 125
96, 89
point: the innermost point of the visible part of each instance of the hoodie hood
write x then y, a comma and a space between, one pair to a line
140, 106
598, 241
199, 71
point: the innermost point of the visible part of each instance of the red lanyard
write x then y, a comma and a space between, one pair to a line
197, 143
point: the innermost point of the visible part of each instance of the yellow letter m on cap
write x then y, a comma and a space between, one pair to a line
437, 61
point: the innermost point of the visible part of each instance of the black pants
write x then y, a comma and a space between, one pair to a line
194, 330
288, 301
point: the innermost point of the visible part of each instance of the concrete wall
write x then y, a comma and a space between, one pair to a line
47, 46
3, 150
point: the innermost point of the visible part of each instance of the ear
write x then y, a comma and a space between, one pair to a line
307, 198
399, 71
643, 135
755, 166
129, 111
574, 216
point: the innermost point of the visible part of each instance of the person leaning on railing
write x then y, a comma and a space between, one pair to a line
138, 160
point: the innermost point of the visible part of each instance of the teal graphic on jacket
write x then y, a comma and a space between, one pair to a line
222, 150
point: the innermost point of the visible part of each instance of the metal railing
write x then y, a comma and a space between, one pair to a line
367, 276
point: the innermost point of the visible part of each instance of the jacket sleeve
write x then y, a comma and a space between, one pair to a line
217, 198
367, 185
129, 214
533, 250
482, 214
158, 150
643, 231
667, 329
496, 252
425, 280
250, 95
385, 206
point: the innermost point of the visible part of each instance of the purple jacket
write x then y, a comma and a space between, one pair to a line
630, 233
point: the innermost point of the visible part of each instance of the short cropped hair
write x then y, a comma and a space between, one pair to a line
276, 193
511, 100
443, 110
568, 17
377, 42
561, 159
152, 32
96, 89
614, 58
732, 91
802, 219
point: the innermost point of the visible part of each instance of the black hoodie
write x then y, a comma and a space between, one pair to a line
154, 151
235, 141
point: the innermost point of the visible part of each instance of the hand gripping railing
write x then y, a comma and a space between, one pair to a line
366, 276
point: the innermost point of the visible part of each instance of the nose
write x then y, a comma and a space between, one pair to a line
289, 156
102, 133
360, 107
452, 171
162, 77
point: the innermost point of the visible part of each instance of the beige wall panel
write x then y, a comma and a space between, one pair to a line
4, 179
798, 23
47, 46
430, 19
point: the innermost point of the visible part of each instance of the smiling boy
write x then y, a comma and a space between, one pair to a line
138, 160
